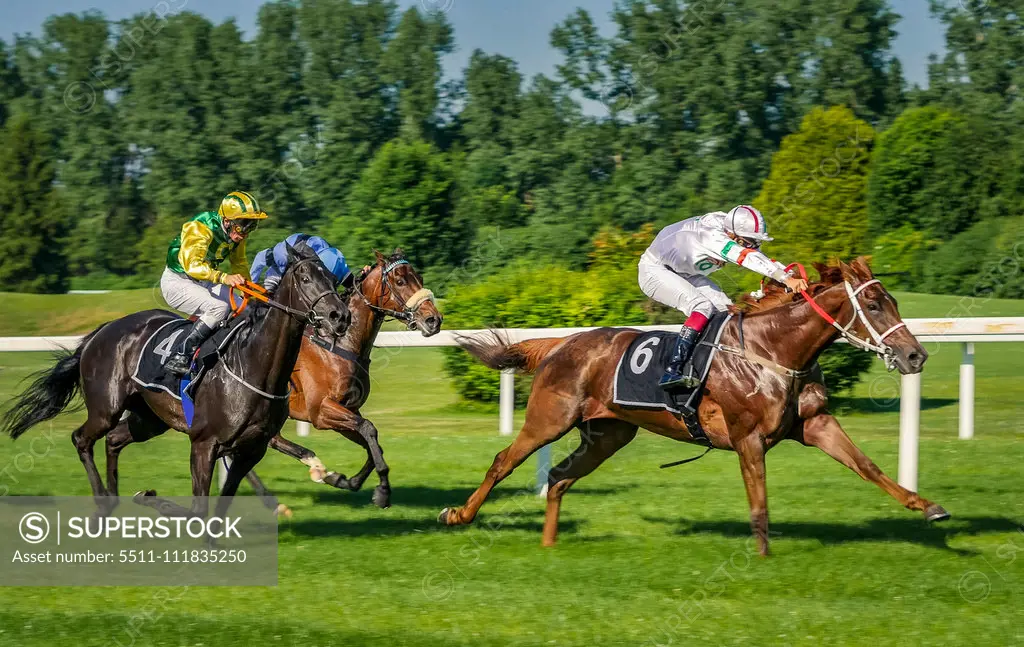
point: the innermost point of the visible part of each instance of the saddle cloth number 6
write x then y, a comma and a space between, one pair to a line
643, 355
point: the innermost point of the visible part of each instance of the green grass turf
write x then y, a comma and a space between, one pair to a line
646, 556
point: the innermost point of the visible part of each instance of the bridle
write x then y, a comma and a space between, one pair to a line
408, 312
259, 293
877, 343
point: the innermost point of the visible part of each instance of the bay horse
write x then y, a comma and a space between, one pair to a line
331, 379
240, 405
761, 393
331, 386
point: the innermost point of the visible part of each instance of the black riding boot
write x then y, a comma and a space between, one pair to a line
180, 362
673, 376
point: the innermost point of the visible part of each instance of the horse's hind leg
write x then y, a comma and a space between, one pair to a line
116, 440
84, 439
548, 418
139, 426
599, 439
825, 433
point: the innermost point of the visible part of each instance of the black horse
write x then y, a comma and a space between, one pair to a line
241, 404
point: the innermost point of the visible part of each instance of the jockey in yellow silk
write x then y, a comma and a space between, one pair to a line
192, 281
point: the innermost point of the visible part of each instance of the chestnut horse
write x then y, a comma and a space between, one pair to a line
329, 388
753, 398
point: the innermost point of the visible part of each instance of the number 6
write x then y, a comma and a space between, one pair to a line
643, 355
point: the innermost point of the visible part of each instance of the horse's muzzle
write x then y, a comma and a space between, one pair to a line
335, 323
911, 360
431, 326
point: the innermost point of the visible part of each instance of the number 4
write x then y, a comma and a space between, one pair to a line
165, 348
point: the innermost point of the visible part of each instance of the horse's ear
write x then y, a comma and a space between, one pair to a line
844, 270
822, 269
291, 253
380, 257
399, 252
861, 268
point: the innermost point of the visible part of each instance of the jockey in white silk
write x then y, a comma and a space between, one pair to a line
674, 269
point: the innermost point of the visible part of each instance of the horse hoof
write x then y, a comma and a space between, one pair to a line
317, 474
337, 480
283, 511
382, 498
443, 517
935, 512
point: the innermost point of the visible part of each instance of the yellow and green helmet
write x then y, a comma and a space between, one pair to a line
241, 206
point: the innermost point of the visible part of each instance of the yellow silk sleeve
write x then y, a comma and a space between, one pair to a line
195, 243
239, 262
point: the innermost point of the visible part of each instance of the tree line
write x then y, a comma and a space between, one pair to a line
336, 114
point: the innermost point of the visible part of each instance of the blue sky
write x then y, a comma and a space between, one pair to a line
516, 28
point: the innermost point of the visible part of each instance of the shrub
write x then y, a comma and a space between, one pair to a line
527, 297
962, 265
923, 175
843, 366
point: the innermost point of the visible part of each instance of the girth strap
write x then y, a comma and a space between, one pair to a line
763, 361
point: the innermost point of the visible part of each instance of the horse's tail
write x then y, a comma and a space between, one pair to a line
498, 353
50, 393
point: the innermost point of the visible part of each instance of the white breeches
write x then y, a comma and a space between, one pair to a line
209, 301
686, 293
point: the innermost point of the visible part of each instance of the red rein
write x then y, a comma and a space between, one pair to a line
803, 274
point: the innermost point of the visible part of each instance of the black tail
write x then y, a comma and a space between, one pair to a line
50, 393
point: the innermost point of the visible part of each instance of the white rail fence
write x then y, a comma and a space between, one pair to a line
966, 331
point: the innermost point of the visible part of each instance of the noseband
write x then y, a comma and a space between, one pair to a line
409, 307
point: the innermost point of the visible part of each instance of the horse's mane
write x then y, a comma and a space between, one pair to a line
775, 294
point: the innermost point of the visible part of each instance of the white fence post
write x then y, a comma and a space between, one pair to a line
302, 428
506, 401
910, 420
967, 392
543, 469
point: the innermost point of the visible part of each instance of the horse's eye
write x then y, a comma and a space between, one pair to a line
874, 307
400, 282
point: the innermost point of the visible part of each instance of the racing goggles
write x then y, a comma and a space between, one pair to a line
243, 227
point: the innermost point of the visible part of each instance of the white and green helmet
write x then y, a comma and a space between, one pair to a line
747, 222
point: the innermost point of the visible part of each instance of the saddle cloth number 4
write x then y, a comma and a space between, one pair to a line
166, 347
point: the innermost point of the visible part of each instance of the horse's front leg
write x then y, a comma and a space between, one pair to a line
202, 463
265, 495
751, 450
317, 470
332, 415
824, 432
203, 460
